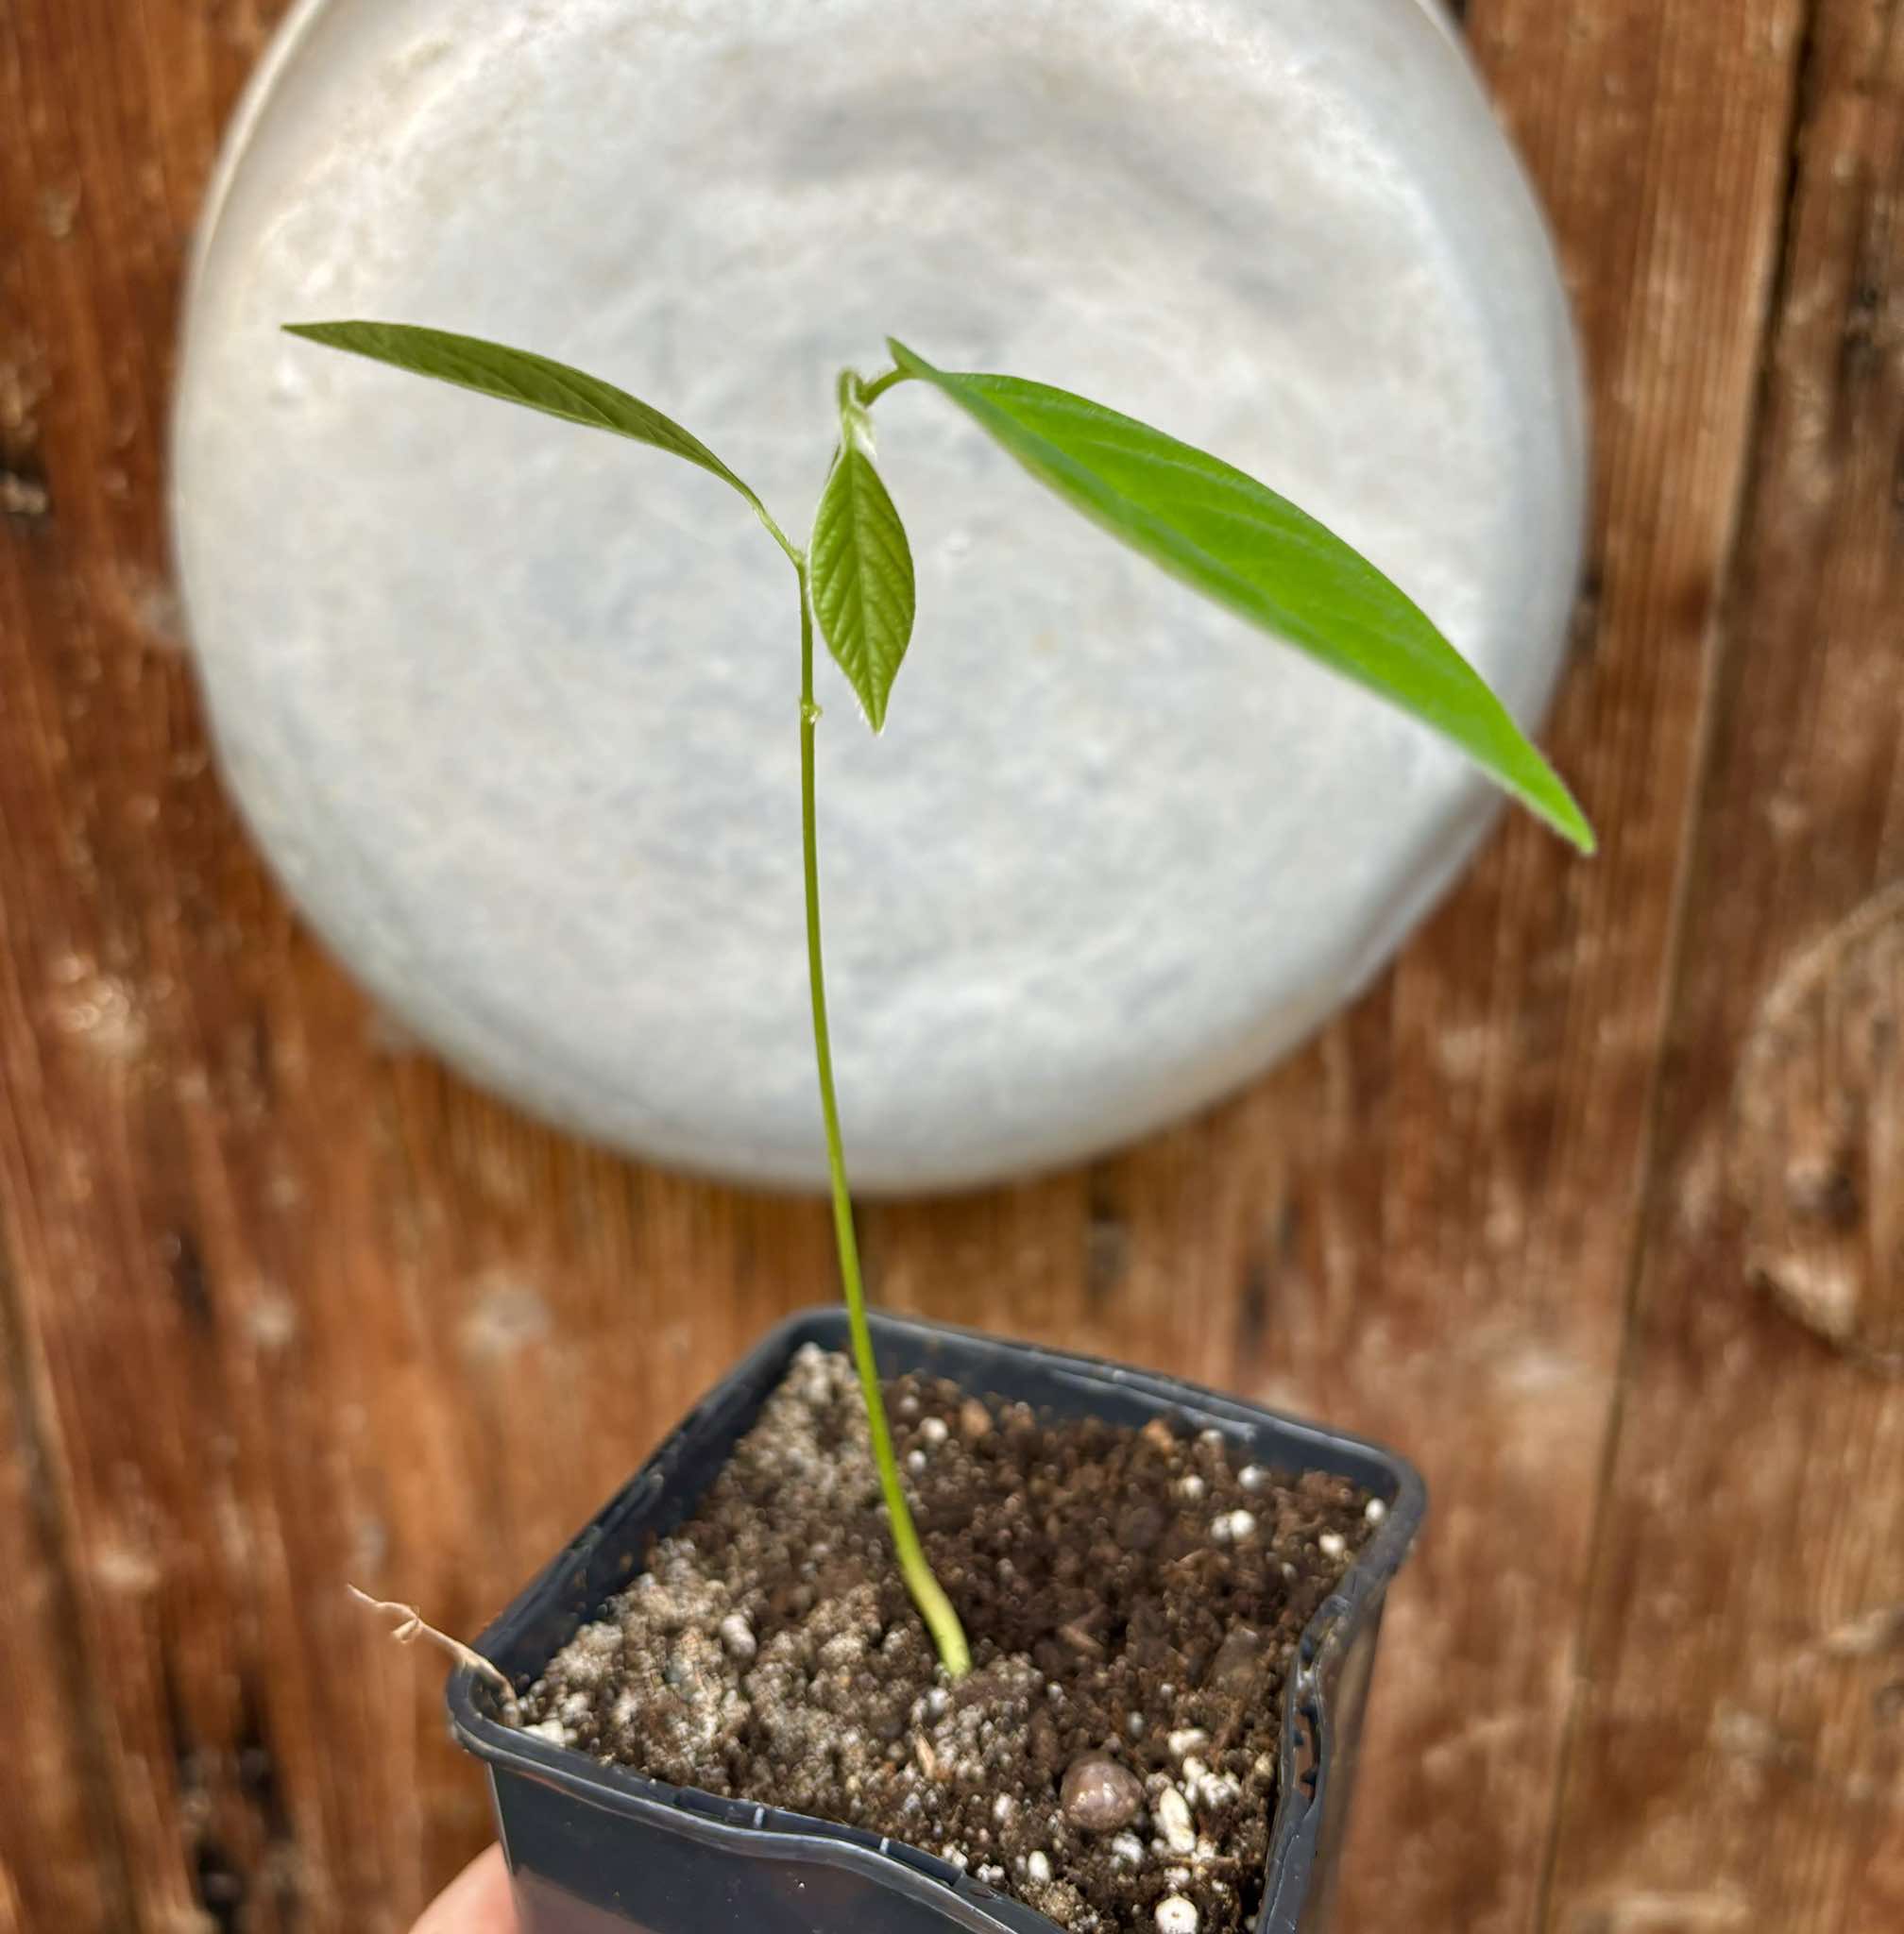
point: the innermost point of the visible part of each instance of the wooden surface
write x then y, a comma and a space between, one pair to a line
1593, 1204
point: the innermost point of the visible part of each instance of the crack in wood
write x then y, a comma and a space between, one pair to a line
185, 1267
1107, 1239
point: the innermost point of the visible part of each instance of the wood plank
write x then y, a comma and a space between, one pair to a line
1739, 1760
304, 1307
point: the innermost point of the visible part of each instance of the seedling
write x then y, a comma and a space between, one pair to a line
1222, 533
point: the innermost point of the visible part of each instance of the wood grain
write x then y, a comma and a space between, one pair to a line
1738, 1760
58, 1865
285, 1303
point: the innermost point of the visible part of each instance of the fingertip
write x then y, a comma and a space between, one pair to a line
476, 1902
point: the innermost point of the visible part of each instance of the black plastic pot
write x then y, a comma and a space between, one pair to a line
593, 1849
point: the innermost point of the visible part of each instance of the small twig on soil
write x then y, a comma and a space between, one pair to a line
411, 1626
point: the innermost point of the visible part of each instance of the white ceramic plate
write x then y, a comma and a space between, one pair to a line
511, 705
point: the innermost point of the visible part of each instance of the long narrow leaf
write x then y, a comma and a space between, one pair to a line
1242, 545
864, 595
519, 375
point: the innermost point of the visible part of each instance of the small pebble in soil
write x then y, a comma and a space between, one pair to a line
1374, 1510
1174, 1821
770, 1652
1212, 1790
1177, 1915
1232, 1527
1099, 1795
1332, 1544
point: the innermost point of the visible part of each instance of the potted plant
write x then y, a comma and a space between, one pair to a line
719, 1708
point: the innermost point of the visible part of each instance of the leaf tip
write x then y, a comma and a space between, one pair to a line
1562, 812
330, 335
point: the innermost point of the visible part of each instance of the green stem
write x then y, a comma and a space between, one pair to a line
780, 538
934, 1606
870, 393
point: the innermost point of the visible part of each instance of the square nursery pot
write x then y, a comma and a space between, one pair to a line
593, 1848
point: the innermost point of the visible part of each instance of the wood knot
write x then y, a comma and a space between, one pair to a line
23, 496
1817, 1165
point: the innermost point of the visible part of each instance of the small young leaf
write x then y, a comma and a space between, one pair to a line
861, 569
1240, 544
518, 376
